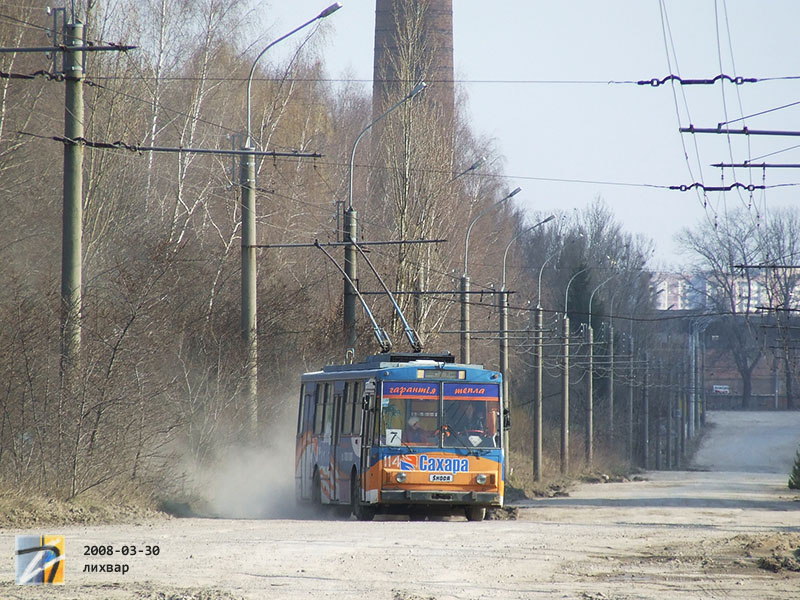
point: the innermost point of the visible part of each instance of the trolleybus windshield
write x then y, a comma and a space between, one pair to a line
412, 415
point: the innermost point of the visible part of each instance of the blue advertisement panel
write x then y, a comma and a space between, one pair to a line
471, 391
411, 389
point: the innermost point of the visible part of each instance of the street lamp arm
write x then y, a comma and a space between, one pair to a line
327, 12
513, 239
566, 292
591, 296
480, 214
541, 270
417, 89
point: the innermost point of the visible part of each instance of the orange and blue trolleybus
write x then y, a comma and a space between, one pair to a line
401, 433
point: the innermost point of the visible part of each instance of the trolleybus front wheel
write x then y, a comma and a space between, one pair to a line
362, 512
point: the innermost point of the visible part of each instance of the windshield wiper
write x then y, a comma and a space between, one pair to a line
446, 429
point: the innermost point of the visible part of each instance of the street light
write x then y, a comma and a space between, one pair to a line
351, 228
480, 214
589, 438
417, 89
247, 176
503, 307
465, 350
513, 239
566, 292
325, 13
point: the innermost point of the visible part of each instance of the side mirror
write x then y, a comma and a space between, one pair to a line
506, 419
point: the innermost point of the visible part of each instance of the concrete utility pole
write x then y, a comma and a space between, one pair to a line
537, 401
565, 381
692, 377
589, 441
670, 417
631, 375
645, 415
611, 382
590, 382
565, 398
72, 218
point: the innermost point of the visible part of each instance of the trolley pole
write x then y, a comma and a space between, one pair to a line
72, 218
565, 400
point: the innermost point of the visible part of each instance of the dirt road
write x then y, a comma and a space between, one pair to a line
689, 534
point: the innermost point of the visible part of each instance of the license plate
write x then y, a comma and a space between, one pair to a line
442, 478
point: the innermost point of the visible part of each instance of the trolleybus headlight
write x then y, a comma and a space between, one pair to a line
481, 479
400, 477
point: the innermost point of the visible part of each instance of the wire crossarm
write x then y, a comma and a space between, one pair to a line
413, 336
383, 338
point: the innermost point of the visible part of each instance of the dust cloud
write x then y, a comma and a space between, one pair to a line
250, 481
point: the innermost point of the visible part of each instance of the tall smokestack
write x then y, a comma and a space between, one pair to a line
419, 32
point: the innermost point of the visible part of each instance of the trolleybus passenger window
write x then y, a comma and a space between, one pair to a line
301, 412
319, 409
347, 409
328, 408
356, 407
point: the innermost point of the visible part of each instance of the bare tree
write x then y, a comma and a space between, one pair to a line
728, 291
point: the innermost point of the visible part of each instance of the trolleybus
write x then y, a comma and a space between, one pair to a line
401, 433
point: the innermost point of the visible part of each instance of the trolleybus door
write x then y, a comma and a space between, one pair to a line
306, 428
368, 416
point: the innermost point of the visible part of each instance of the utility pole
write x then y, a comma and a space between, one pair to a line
537, 401
565, 399
464, 288
646, 415
72, 217
631, 375
589, 443
351, 270
249, 325
682, 378
692, 378
503, 310
611, 383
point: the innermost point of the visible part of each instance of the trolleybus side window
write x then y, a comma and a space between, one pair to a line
319, 408
347, 409
301, 412
328, 403
356, 401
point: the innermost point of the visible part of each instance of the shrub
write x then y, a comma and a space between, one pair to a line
794, 477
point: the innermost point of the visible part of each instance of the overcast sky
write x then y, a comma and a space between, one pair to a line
537, 76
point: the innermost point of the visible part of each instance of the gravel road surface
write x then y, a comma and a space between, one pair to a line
728, 528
